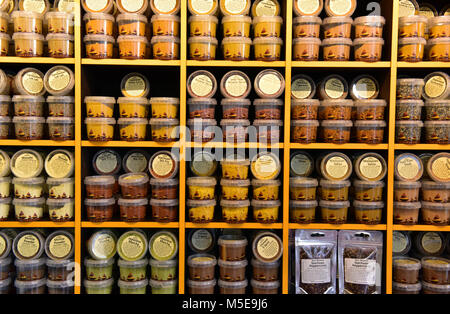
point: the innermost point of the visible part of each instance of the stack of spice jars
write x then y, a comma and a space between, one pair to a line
133, 203
438, 44
99, 121
405, 275
99, 40
232, 264
267, 30
368, 43
306, 33
412, 42
201, 198
164, 122
201, 269
60, 32
132, 29
5, 186
100, 202
166, 29
6, 261
203, 29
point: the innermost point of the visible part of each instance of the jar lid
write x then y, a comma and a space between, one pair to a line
203, 18
235, 84
65, 263
408, 167
240, 183
396, 286
201, 203
98, 16
300, 182
233, 264
439, 20
30, 263
235, 160
28, 181
100, 180
132, 38
237, 40
100, 201
166, 100
334, 204
439, 289
26, 163
98, 284
412, 40
37, 120
368, 184
6, 98
100, 121
164, 182
265, 284
307, 19
165, 39
107, 162
163, 203
412, 81
169, 122
333, 87
336, 166
301, 164
437, 102
201, 260
232, 284
370, 124
60, 120
29, 244
431, 185
163, 165
201, 181
265, 204
268, 102
407, 263
5, 201
60, 284
102, 244
133, 100
367, 205
203, 164
437, 86
165, 7
89, 262
61, 99
265, 165
264, 122
337, 41
60, 245
267, 19
132, 202
409, 19
59, 36
258, 183
370, 20
334, 184
136, 17
436, 206
337, 123
235, 8
234, 204
96, 38
99, 99
269, 83
438, 41
135, 85
303, 204
163, 245
302, 87
201, 240
307, 40
27, 14
201, 284
165, 264
236, 19
59, 14
337, 20
235, 102
232, 240
407, 123
30, 202
199, 122
267, 247
438, 169
407, 205
267, 40
234, 122
365, 87
370, 103
203, 40
130, 121
203, 101
132, 245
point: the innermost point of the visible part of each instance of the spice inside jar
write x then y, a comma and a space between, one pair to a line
232, 270
369, 26
99, 107
235, 169
306, 49
304, 131
438, 49
27, 105
236, 48
435, 192
29, 128
166, 47
266, 211
304, 109
235, 108
132, 24
60, 22
29, 209
370, 132
368, 49
302, 212
28, 44
267, 48
336, 109
337, 27
134, 185
132, 47
410, 88
368, 213
232, 247
437, 132
202, 130
201, 188
203, 25
370, 109
201, 267
336, 131
436, 270
202, 48
408, 132
164, 188
99, 46
61, 106
336, 49
236, 26
266, 189
235, 211
412, 26
306, 26
60, 45
100, 210
406, 213
29, 270
269, 109
133, 270
409, 109
437, 110
27, 22
165, 25
302, 189
406, 270
132, 210
203, 108
235, 189
368, 191
201, 211
411, 49
268, 131
164, 130
334, 190
334, 212
436, 213
98, 187
99, 23
234, 130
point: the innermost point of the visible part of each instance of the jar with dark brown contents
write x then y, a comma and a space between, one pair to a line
6, 286
406, 270
60, 287
132, 210
203, 108
30, 287
265, 287
336, 131
268, 131
359, 253
201, 267
202, 130
304, 131
235, 131
201, 287
235, 108
5, 267
404, 288
60, 270
370, 109
370, 132
305, 109
134, 185
164, 210
268, 109
163, 189
232, 247
99, 186
232, 270
29, 270
429, 288
236, 287
265, 271
336, 109
100, 210
436, 270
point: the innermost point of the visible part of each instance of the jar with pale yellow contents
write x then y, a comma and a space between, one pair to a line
99, 106
303, 189
28, 188
132, 129
164, 130
61, 210
133, 107
267, 26
334, 212
202, 48
100, 129
303, 212
5, 208
235, 189
59, 188
235, 169
235, 211
266, 190
236, 48
4, 44
5, 187
236, 26
164, 107
27, 210
28, 44
201, 188
203, 25
334, 190
267, 49
201, 211
60, 45
266, 211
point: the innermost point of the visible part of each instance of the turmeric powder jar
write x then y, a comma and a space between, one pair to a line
27, 22
334, 190
59, 22
201, 188
60, 45
165, 25
369, 26
412, 26
368, 49
411, 49
334, 212
235, 168
267, 49
235, 189
337, 27
28, 44
235, 7
308, 7
368, 213
236, 26
132, 47
266, 190
4, 44
164, 130
99, 23
336, 49
166, 47
132, 129
439, 26
201, 211
203, 25
133, 107
306, 26
235, 211
306, 49
236, 48
164, 107
132, 6
131, 24
202, 48
99, 46
169, 7
267, 26
203, 7
302, 212
438, 49
302, 188
99, 107
266, 211
100, 129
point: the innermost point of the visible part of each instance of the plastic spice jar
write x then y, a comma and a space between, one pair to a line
202, 48
333, 87
201, 188
336, 49
302, 211
5, 101
236, 48
97, 6
429, 288
164, 130
437, 132
60, 246
59, 270
368, 49
412, 26
203, 25
201, 287
236, 26
267, 48
132, 47
304, 131
98, 187
28, 44
436, 270
437, 110
4, 20
99, 23
404, 288
135, 25
438, 49
435, 213
262, 287
370, 132
164, 188
163, 270
29, 128
99, 46
59, 81
307, 8
163, 246
408, 167
265, 8
132, 129
334, 212
132, 245
410, 88
336, 109
370, 109
269, 84
437, 86
368, 213
203, 164
134, 185
203, 8
302, 188
266, 190
335, 166
5, 208
100, 129
60, 188
201, 211
263, 271
306, 26
166, 47
29, 270
201, 84
133, 107
408, 132
306, 49
232, 247
406, 270
99, 106
132, 271
368, 191
29, 209
60, 210
365, 87
268, 131
235, 168
336, 131
201, 267
411, 49
369, 26
268, 109
304, 109
267, 247
61, 106
100, 210
98, 270
235, 211
28, 188
439, 26
235, 108
406, 213
5, 183
61, 128
235, 84
265, 211
234, 130
235, 189
98, 287
202, 130
4, 44
334, 190
267, 26
265, 166
232, 271
30, 106
337, 27
60, 45
27, 22
163, 107
436, 192
60, 22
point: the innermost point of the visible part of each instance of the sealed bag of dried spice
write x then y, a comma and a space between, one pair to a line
360, 261
315, 269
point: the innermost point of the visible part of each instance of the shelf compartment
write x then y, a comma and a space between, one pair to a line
340, 146
236, 64
37, 224
36, 143
340, 64
421, 228
129, 144
123, 224
224, 225
123, 62
326, 226
37, 60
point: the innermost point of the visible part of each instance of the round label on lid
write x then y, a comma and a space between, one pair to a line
135, 86
301, 165
399, 242
3, 246
408, 168
132, 5
4, 164
301, 88
104, 246
440, 168
202, 85
59, 165
371, 168
265, 167
201, 240
163, 165
163, 247
334, 88
406, 8
426, 11
203, 164
165, 6
236, 85
268, 248
32, 82
132, 247
308, 7
269, 84
96, 5
59, 80
336, 167
365, 88
66, 6
431, 242
28, 246
202, 6
106, 162
340, 7
60, 246
26, 165
37, 6
136, 162
435, 86
266, 8
235, 6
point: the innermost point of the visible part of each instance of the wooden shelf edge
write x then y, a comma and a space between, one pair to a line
423, 65
224, 225
129, 144
232, 145
326, 226
123, 62
235, 64
123, 224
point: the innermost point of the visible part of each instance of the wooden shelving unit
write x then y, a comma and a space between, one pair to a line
289, 67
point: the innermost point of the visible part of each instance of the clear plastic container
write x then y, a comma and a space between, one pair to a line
438, 49
232, 270
27, 105
132, 210
406, 270
60, 287
368, 49
236, 287
99, 106
60, 45
28, 81
164, 210
235, 84
306, 49
4, 44
267, 26
334, 212
437, 110
236, 48
98, 187
268, 131
269, 84
202, 48
98, 23
134, 287
411, 49
162, 107
61, 128
410, 88
203, 25
134, 185
166, 47
163, 270
406, 191
263, 271
132, 47
60, 22
368, 191
408, 167
304, 109
437, 132
30, 287
262, 287
27, 22
408, 109
100, 129
436, 213
235, 108
5, 265
164, 188
436, 270
201, 287
267, 48
369, 26
370, 132
266, 211
5, 102
265, 166
164, 130
5, 286
368, 213
406, 213
201, 267
412, 26
21, 248
429, 288
98, 270
132, 271
404, 288
306, 26
235, 168
336, 131
100, 210
133, 107
28, 44
132, 129
201, 188
235, 189
61, 106
304, 131
29, 128
99, 287
408, 132
336, 49
303, 189
439, 26
60, 270
337, 27
436, 192
99, 46
203, 108
334, 190
269, 109
5, 208
4, 18
25, 163
29, 270
201, 211
235, 131
370, 109
336, 109
131, 24
61, 210
28, 188
201, 84
232, 247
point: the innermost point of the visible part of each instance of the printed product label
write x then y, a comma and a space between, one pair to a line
162, 165
201, 240
340, 7
266, 8
236, 85
400, 242
2, 246
408, 168
308, 7
371, 167
3, 164
441, 168
269, 84
26, 164
426, 11
431, 242
106, 162
201, 85
32, 82
104, 246
165, 6
301, 164
202, 6
265, 166
163, 246
365, 88
435, 86
136, 162
132, 5
315, 271
96, 5
235, 6
334, 88
59, 80
301, 88
336, 167
268, 247
66, 6
59, 166
360, 271
132, 247
135, 86
406, 8
28, 246
34, 6
60, 246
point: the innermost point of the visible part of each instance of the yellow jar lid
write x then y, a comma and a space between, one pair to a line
265, 165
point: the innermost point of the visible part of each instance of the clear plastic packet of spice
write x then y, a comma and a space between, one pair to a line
360, 261
315, 256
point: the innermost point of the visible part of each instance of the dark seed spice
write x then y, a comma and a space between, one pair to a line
318, 253
362, 256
